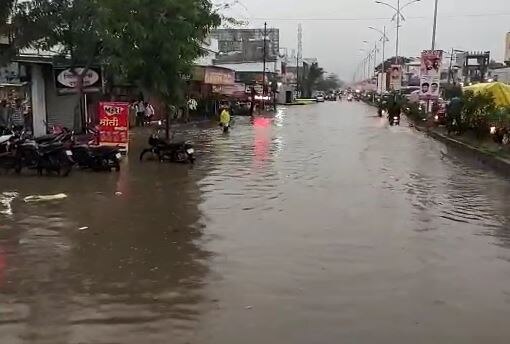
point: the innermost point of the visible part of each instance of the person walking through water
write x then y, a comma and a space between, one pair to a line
225, 118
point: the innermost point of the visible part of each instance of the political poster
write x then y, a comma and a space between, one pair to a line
396, 77
113, 124
430, 74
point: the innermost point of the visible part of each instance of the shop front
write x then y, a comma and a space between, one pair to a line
206, 86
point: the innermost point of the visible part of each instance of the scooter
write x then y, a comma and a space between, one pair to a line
169, 151
394, 120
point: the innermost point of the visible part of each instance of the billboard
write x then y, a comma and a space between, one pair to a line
246, 45
114, 124
430, 73
396, 77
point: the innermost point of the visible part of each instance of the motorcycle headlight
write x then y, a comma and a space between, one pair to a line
493, 130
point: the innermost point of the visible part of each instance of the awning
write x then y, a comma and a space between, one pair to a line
213, 75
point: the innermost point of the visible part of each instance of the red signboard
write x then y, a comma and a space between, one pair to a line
114, 124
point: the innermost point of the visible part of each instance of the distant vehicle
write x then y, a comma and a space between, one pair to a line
350, 98
319, 98
394, 120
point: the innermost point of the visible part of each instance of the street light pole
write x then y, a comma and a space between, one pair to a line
264, 62
397, 39
384, 39
434, 29
383, 69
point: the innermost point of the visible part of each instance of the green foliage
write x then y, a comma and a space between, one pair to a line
331, 82
452, 91
477, 109
310, 81
152, 43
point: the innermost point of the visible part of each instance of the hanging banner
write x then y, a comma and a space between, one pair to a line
430, 73
114, 124
396, 77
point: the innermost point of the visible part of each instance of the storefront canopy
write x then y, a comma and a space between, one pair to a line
500, 91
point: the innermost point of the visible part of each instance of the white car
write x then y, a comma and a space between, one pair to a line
319, 98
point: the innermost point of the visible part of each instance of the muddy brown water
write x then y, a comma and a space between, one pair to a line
320, 225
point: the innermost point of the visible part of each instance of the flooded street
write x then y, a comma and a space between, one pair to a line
319, 225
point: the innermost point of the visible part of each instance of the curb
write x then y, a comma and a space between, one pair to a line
500, 165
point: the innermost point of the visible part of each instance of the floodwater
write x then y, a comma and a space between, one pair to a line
320, 225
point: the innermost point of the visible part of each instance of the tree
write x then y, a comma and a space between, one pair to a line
311, 79
152, 43
331, 82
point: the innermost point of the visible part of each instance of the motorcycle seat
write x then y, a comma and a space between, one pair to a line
50, 147
45, 138
4, 138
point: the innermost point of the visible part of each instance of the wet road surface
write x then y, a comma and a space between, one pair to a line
321, 225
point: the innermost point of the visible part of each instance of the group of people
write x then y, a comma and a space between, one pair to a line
144, 113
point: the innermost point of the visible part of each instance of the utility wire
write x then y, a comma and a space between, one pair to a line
483, 15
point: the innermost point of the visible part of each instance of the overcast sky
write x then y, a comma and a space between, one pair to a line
333, 30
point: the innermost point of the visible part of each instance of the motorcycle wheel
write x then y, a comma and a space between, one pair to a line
65, 166
145, 152
191, 158
116, 165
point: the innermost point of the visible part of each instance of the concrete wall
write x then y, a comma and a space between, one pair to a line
38, 89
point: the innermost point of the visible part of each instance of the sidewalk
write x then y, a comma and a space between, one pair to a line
487, 152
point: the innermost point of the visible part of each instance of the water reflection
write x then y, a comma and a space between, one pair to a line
134, 272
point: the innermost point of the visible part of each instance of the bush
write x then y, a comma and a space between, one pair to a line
477, 112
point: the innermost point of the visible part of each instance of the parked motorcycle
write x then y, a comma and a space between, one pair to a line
86, 152
100, 158
8, 140
169, 151
47, 156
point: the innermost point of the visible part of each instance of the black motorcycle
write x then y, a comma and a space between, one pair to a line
47, 156
169, 151
88, 155
394, 120
100, 158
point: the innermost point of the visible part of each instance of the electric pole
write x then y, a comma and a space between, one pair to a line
299, 57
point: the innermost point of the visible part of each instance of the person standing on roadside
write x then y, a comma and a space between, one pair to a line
140, 113
149, 113
454, 115
17, 117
